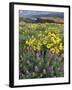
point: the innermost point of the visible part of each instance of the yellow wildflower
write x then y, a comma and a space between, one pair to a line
30, 42
57, 50
52, 50
54, 41
49, 45
60, 46
49, 33
53, 35
44, 42
34, 39
27, 42
57, 35
58, 40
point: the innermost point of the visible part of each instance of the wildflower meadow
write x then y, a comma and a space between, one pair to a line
41, 49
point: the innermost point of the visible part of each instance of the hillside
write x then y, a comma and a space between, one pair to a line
42, 20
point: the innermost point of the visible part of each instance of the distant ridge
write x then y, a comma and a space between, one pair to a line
61, 15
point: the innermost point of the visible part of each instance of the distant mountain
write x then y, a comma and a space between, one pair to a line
60, 15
